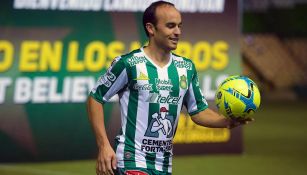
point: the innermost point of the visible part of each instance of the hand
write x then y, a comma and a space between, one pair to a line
238, 121
106, 161
161, 126
155, 115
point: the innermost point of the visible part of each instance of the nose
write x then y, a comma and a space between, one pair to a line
177, 30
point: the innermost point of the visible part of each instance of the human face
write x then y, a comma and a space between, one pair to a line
167, 31
163, 115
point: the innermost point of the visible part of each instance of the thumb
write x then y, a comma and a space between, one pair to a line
114, 162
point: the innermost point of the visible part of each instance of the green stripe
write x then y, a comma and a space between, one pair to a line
153, 108
173, 75
129, 149
190, 74
166, 161
197, 92
150, 160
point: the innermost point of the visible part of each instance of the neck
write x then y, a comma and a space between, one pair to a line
158, 55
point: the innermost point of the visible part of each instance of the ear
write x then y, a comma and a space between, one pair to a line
150, 28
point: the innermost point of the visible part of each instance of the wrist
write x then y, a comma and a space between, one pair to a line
229, 123
103, 143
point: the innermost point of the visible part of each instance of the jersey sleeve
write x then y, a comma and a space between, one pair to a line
194, 99
111, 82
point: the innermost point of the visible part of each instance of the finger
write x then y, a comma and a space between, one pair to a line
98, 168
251, 119
233, 124
110, 172
108, 166
114, 162
248, 120
232, 117
104, 167
240, 119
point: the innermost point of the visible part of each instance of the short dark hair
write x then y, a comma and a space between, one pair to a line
149, 15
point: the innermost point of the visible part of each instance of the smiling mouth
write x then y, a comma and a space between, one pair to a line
174, 39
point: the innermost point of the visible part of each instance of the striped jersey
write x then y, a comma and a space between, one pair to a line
151, 98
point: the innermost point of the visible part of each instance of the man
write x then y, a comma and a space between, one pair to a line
161, 124
149, 81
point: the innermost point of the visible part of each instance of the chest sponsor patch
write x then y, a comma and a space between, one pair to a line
136, 60
143, 87
159, 98
164, 85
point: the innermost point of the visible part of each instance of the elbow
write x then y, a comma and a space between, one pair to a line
203, 119
88, 107
91, 107
196, 119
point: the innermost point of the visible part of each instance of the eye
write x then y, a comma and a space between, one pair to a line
170, 25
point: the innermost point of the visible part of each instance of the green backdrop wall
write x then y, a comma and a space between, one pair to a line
52, 52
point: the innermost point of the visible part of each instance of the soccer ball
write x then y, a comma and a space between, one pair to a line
237, 97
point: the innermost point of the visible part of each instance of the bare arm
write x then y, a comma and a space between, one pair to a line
106, 156
211, 119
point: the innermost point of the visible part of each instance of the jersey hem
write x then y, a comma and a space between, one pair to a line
133, 167
98, 100
198, 111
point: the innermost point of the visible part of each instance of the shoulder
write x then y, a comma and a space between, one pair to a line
126, 58
131, 57
131, 54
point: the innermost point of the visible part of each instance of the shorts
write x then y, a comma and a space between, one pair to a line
139, 171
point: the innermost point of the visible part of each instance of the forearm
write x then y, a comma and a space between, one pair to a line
106, 159
96, 118
211, 119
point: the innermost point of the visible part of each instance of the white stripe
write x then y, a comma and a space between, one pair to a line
181, 71
163, 75
141, 118
170, 164
119, 83
192, 105
124, 110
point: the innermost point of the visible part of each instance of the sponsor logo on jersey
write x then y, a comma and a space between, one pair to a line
164, 85
107, 79
142, 76
160, 127
161, 124
183, 82
136, 60
143, 87
154, 146
159, 98
127, 155
196, 80
183, 64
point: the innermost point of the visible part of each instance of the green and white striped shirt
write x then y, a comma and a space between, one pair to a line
151, 99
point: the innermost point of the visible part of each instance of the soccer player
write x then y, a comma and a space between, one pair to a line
153, 84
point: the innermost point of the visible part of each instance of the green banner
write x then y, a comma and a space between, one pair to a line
53, 51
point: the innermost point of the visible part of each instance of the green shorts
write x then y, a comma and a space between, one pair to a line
139, 171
